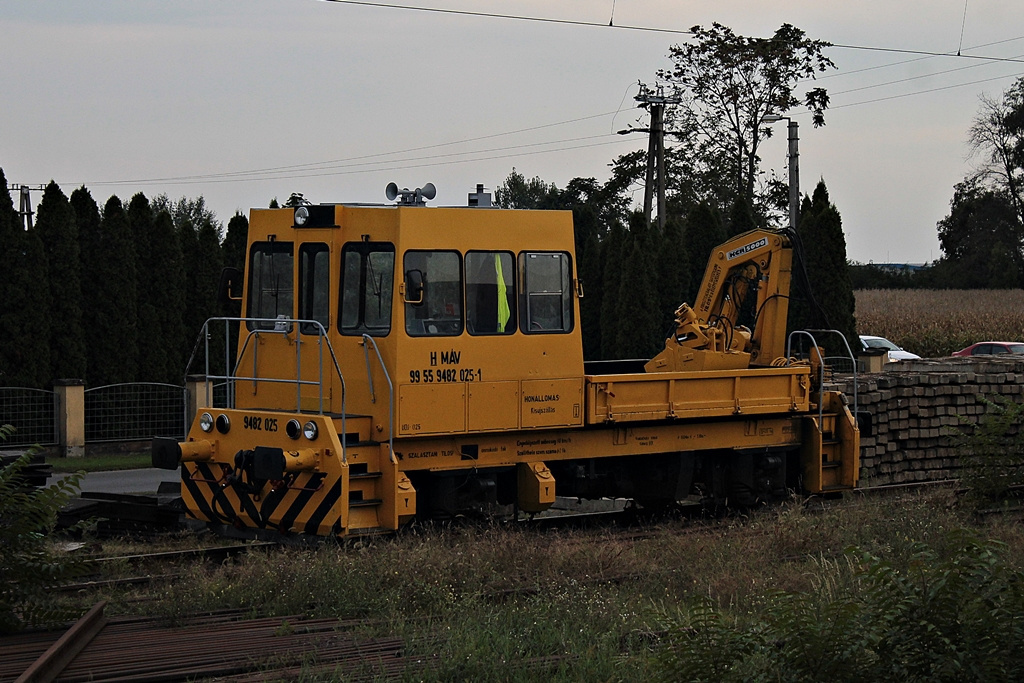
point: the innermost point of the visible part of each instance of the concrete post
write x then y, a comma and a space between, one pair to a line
199, 394
70, 397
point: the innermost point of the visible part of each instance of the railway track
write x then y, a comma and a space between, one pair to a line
96, 649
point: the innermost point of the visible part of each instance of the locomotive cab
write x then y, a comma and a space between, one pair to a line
441, 320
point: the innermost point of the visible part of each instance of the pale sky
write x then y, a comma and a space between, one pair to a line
336, 100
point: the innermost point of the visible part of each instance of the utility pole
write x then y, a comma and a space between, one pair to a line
794, 165
25, 205
656, 102
794, 174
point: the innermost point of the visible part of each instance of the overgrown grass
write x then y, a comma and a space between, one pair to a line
514, 603
101, 463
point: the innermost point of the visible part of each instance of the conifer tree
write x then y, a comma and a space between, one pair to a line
151, 346
58, 230
8, 221
24, 315
741, 217
673, 272
589, 269
611, 269
236, 241
704, 232
87, 218
168, 297
25, 344
113, 353
639, 333
209, 264
824, 245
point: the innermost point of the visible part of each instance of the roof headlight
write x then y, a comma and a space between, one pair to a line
206, 422
301, 215
310, 431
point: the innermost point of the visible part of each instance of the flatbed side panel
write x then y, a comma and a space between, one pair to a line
665, 395
460, 452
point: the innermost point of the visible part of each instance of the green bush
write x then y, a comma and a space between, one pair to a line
29, 564
992, 452
940, 617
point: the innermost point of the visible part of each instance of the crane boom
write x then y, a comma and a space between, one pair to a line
710, 335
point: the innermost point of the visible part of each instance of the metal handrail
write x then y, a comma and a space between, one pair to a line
821, 363
282, 326
391, 391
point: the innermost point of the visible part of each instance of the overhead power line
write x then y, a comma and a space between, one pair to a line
367, 159
495, 15
840, 74
395, 164
650, 29
913, 78
923, 92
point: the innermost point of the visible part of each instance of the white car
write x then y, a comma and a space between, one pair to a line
895, 352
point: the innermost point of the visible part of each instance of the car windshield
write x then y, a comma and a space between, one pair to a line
1016, 348
879, 343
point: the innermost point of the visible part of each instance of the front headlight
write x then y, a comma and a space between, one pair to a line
309, 430
206, 422
223, 424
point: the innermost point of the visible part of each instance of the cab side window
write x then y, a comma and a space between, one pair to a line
490, 293
271, 288
367, 283
433, 293
546, 297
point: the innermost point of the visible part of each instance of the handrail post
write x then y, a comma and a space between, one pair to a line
391, 391
821, 372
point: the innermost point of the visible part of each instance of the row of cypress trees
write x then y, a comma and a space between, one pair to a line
107, 295
118, 294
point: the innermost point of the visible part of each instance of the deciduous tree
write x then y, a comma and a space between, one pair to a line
728, 83
997, 137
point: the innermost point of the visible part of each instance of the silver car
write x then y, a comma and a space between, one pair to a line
895, 352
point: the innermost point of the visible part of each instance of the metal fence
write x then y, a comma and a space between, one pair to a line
135, 411
840, 365
32, 412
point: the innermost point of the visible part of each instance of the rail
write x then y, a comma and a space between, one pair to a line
821, 362
391, 391
271, 326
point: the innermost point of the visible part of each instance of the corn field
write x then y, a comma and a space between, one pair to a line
936, 322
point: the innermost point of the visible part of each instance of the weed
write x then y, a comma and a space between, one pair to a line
29, 563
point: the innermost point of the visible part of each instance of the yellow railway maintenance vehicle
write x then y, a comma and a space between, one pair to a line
401, 361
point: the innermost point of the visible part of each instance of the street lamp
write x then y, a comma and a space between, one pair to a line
794, 166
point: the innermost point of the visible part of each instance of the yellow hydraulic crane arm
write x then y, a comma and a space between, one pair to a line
708, 335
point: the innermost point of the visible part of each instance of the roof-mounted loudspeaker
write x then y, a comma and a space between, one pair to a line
407, 197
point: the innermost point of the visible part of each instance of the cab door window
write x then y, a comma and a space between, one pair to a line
490, 292
546, 296
271, 288
314, 286
367, 283
433, 293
